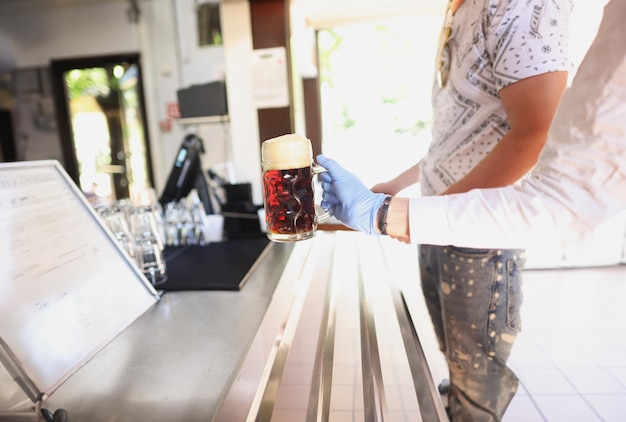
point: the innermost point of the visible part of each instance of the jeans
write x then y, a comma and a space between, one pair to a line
474, 298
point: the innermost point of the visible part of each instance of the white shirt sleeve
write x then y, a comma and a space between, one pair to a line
580, 179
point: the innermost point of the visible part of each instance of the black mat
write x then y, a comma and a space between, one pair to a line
217, 266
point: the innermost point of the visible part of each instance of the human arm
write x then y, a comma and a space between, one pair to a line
579, 181
530, 105
403, 180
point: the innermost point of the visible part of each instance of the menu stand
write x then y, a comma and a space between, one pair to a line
62, 274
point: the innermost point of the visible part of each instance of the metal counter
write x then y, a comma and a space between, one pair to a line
176, 361
315, 320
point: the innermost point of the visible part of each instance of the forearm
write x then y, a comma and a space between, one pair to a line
403, 180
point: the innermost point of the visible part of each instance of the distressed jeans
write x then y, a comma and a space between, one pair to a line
474, 298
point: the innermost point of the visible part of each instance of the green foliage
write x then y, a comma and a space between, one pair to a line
91, 82
375, 78
330, 42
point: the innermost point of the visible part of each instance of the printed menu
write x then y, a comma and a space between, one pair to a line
66, 288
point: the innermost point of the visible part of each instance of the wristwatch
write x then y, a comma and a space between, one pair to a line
382, 215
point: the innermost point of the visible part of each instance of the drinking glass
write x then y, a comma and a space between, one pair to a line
115, 219
150, 245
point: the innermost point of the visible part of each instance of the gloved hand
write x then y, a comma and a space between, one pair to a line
354, 204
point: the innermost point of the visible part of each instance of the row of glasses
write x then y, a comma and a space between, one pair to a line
139, 231
185, 224
143, 229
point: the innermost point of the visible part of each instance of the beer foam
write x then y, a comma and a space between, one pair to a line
286, 152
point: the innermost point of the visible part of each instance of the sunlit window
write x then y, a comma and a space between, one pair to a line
376, 80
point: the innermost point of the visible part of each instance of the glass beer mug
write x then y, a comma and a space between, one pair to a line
288, 192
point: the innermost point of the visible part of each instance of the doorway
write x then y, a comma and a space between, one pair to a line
102, 125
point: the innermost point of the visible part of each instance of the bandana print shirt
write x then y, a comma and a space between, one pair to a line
492, 44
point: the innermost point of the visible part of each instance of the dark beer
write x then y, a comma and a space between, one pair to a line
289, 203
288, 170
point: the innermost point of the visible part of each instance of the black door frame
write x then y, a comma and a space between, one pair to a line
57, 68
7, 137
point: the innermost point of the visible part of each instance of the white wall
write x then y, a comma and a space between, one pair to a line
237, 34
165, 37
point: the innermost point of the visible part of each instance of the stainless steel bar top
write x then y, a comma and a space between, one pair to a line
175, 362
322, 330
338, 341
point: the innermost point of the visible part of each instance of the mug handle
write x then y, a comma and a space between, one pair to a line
317, 169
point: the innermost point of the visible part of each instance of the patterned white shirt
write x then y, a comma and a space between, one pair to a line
493, 43
580, 179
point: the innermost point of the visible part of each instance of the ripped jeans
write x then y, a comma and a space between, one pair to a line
474, 298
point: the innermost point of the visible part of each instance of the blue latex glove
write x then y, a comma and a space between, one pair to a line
354, 204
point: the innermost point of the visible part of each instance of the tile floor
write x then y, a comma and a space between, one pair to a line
571, 354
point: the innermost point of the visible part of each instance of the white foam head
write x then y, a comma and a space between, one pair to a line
286, 152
